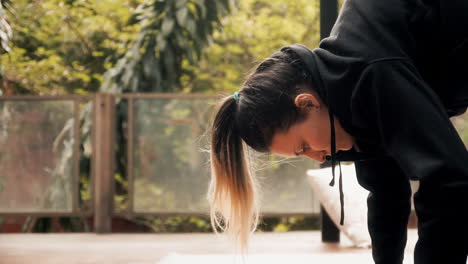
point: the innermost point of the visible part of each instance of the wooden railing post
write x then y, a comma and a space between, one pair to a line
330, 232
103, 160
328, 15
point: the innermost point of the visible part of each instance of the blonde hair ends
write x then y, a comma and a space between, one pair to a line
233, 192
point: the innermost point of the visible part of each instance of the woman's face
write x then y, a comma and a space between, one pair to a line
311, 137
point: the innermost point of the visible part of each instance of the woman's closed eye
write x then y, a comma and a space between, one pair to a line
304, 148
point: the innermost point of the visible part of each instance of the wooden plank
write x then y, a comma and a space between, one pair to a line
103, 157
45, 97
130, 179
76, 156
166, 96
85, 248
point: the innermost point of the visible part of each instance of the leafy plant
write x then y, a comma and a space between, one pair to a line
173, 34
5, 29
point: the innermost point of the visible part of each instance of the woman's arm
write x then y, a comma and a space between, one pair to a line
389, 206
415, 130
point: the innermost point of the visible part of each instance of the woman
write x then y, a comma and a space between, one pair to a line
379, 91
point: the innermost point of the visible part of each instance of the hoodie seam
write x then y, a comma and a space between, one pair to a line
387, 59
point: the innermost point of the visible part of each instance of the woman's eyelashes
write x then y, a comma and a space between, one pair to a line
303, 149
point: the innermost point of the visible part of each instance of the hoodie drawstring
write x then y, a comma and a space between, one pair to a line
333, 161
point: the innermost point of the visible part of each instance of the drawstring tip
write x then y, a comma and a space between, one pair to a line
341, 196
332, 182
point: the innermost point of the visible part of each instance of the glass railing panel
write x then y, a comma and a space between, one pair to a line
171, 165
35, 161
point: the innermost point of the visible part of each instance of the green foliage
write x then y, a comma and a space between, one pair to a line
172, 37
461, 125
251, 34
67, 224
65, 47
5, 28
6, 33
176, 224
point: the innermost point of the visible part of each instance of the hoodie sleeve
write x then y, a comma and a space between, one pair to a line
412, 126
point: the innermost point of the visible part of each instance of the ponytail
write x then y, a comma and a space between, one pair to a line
232, 192
265, 106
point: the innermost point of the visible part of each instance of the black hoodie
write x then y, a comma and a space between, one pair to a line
392, 72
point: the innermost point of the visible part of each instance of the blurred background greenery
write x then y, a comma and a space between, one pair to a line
67, 47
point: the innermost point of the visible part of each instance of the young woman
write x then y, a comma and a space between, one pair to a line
379, 91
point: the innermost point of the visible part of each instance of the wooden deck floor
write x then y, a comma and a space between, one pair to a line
85, 248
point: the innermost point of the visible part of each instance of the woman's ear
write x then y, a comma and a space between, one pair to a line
306, 100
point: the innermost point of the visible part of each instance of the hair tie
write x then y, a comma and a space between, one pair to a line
236, 97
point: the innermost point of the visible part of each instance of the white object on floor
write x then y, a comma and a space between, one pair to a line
329, 258
355, 201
